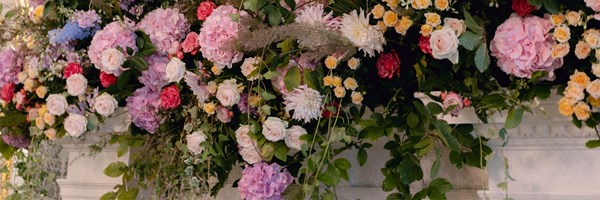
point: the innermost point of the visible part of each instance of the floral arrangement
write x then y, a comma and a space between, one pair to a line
282, 88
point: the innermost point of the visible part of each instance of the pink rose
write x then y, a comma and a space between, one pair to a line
205, 9
107, 79
224, 115
453, 99
190, 44
593, 4
424, 44
72, 68
8, 91
169, 97
444, 44
388, 65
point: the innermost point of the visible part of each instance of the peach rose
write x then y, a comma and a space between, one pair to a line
390, 18
582, 50
574, 92
421, 4
403, 25
557, 19
433, 19
441, 4
573, 18
594, 89
560, 50
582, 111
562, 33
581, 79
377, 11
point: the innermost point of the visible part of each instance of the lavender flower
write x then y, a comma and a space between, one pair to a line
9, 67
86, 19
264, 181
17, 141
143, 107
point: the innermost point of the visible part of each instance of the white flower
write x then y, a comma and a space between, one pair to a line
243, 138
315, 15
56, 104
357, 98
228, 93
75, 124
250, 155
76, 84
105, 104
175, 70
197, 86
357, 29
274, 129
194, 140
306, 103
111, 60
249, 65
444, 44
292, 138
458, 25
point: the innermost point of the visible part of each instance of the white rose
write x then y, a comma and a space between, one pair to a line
292, 137
574, 92
105, 104
249, 66
112, 60
75, 124
194, 140
175, 70
243, 138
274, 129
56, 104
76, 84
250, 155
458, 25
228, 93
444, 44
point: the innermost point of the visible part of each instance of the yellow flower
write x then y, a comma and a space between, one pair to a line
378, 11
390, 18
433, 19
215, 70
441, 4
51, 134
426, 30
38, 13
560, 50
42, 110
557, 19
29, 85
565, 109
595, 102
339, 92
382, 26
253, 100
353, 63
337, 81
421, 4
39, 123
403, 25
391, 3
331, 62
209, 108
582, 111
580, 79
350, 83
212, 87
562, 33
357, 98
328, 80
49, 119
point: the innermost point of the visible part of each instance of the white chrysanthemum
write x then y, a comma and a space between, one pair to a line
357, 29
306, 103
315, 14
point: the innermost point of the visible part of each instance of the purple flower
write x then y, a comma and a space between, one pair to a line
243, 105
10, 66
264, 181
143, 107
154, 78
86, 19
17, 141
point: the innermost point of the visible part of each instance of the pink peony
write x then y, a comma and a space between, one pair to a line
72, 68
205, 9
107, 79
219, 29
524, 45
165, 28
388, 64
115, 34
169, 97
593, 4
190, 44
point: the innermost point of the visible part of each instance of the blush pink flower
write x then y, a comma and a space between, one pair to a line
452, 99
593, 4
190, 44
219, 29
524, 46
115, 34
205, 9
166, 27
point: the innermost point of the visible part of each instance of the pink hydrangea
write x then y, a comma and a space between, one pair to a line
166, 27
524, 45
154, 78
264, 181
143, 107
10, 66
219, 29
116, 34
593, 4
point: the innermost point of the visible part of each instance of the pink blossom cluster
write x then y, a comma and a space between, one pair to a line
10, 66
143, 107
523, 45
166, 27
116, 34
154, 78
263, 181
219, 29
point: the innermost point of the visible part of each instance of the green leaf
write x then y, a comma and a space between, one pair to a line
267, 96
115, 169
123, 79
446, 135
286, 46
389, 183
293, 192
254, 5
371, 133
514, 118
108, 196
326, 178
362, 156
435, 168
274, 15
281, 151
552, 6
270, 75
434, 108
342, 163
442, 185
136, 62
412, 120
130, 194
502, 185
123, 149
292, 79
482, 58
470, 40
291, 4
471, 23
592, 144
537, 3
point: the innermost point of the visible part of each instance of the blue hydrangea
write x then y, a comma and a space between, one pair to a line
70, 32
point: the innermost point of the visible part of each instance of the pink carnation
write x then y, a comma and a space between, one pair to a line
190, 44
593, 4
165, 28
115, 34
218, 29
524, 45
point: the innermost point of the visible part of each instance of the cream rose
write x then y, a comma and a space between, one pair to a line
582, 50
444, 44
105, 104
592, 37
458, 25
274, 129
350, 83
596, 69
353, 63
357, 98
112, 60
56, 104
292, 137
75, 124
594, 89
76, 84
242, 136
41, 91
574, 92
250, 155
49, 119
194, 140
573, 18
433, 19
377, 11
249, 65
582, 111
228, 93
421, 4
580, 79
560, 50
562, 34
51, 134
175, 70
339, 92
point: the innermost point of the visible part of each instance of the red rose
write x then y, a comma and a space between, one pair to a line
107, 79
522, 7
190, 44
169, 97
388, 65
424, 44
8, 91
72, 68
326, 113
205, 9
